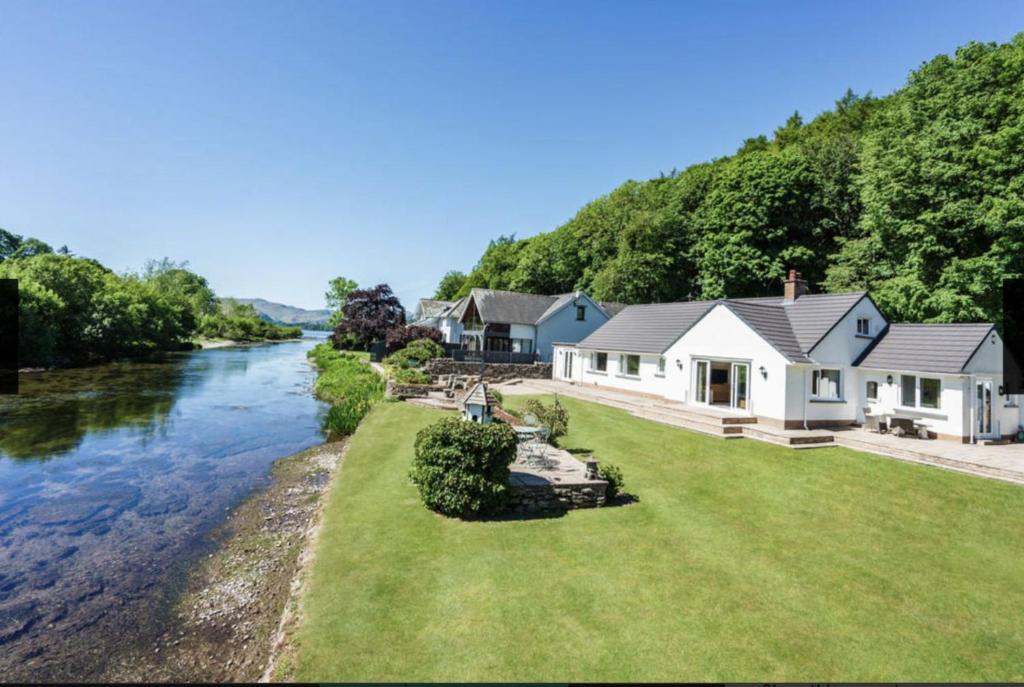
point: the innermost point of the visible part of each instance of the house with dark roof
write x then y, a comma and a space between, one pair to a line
508, 326
802, 360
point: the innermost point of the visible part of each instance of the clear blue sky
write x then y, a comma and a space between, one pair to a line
276, 145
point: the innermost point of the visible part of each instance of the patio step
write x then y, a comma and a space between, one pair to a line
909, 455
781, 438
697, 413
696, 425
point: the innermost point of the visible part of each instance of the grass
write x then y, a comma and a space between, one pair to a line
348, 383
741, 561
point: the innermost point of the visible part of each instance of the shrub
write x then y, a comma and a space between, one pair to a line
499, 400
462, 468
415, 354
554, 417
411, 376
613, 475
348, 384
398, 337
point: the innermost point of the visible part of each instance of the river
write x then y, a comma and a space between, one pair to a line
112, 480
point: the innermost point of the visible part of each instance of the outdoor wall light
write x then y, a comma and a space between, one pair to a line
888, 379
679, 363
1002, 390
764, 372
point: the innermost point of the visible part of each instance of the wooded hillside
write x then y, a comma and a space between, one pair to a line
917, 196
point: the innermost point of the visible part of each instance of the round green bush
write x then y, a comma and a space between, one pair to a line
462, 468
613, 475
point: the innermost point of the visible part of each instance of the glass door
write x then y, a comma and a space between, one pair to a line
984, 400
700, 381
568, 364
740, 375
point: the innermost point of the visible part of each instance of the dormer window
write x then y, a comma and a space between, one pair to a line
863, 326
581, 312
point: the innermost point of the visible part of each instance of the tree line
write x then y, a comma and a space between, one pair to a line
917, 197
75, 311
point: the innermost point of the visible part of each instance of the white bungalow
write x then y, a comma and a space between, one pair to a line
802, 361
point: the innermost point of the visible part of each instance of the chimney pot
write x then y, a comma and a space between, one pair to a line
794, 287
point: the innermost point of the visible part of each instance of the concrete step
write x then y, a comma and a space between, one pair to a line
675, 420
696, 413
822, 440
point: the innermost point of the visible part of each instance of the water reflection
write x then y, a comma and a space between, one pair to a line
111, 479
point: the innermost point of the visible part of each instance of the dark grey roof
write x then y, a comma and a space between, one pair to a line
942, 348
813, 315
429, 307
794, 328
510, 306
612, 309
773, 325
647, 328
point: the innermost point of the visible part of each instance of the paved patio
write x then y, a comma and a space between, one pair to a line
1004, 462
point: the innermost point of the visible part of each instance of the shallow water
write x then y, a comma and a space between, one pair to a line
111, 481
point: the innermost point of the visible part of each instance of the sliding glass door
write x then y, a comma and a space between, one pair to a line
700, 381
740, 375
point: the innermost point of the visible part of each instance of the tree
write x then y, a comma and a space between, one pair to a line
368, 314
448, 287
337, 293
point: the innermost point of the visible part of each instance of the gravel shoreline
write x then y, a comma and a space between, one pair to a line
229, 621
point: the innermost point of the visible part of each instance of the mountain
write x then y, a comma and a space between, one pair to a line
279, 313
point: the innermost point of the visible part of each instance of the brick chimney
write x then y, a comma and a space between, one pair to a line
794, 287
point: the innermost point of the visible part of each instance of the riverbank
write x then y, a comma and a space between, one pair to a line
227, 620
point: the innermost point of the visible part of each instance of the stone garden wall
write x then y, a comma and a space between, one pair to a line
556, 497
403, 391
493, 372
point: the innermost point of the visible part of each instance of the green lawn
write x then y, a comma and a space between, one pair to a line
741, 561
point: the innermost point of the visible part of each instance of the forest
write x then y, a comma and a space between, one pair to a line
916, 197
75, 311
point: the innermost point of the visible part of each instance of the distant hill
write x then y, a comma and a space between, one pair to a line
279, 313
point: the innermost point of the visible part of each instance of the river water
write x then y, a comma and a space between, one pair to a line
113, 478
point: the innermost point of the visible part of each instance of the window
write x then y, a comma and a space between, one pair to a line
872, 392
522, 345
863, 326
581, 312
601, 362
629, 365
908, 387
930, 393
661, 366
825, 384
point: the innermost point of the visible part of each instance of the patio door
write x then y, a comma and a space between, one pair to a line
701, 380
569, 359
983, 398
740, 383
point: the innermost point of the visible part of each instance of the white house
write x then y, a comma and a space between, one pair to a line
802, 361
520, 327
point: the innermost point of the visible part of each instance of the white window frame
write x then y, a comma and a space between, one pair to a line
867, 394
817, 376
867, 326
624, 365
903, 399
594, 366
661, 367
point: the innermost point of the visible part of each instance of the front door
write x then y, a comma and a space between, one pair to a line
983, 399
567, 370
740, 381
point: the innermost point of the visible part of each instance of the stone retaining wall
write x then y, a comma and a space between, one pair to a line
556, 497
493, 372
403, 391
